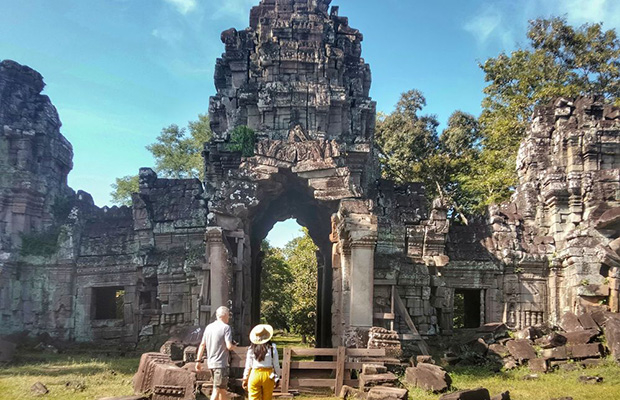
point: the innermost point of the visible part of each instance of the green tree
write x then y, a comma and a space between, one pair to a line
177, 153
123, 189
300, 255
560, 61
411, 150
406, 139
276, 282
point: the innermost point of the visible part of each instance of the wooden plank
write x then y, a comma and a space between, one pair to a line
314, 352
340, 360
366, 352
359, 365
313, 364
286, 369
302, 382
402, 309
384, 316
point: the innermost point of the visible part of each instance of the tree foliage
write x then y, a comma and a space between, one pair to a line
123, 189
177, 153
472, 163
411, 150
276, 281
289, 286
300, 254
560, 61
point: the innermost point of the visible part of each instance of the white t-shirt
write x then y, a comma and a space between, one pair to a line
216, 335
271, 361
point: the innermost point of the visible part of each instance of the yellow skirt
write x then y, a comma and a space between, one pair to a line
260, 385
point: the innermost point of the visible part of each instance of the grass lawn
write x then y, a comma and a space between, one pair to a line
87, 377
548, 386
67, 376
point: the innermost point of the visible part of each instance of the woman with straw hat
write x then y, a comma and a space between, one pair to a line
262, 368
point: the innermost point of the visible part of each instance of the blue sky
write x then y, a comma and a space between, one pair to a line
120, 70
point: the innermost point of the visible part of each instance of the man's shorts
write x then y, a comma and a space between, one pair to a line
220, 378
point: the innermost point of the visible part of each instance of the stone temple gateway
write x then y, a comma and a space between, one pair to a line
386, 256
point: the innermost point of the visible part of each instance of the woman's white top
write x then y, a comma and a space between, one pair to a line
270, 361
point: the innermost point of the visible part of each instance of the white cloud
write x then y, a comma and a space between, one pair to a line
237, 9
505, 23
183, 6
484, 24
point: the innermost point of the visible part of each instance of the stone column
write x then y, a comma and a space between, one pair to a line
220, 268
362, 282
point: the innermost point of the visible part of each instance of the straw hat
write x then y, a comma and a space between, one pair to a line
261, 334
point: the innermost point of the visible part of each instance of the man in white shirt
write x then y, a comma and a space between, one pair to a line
217, 341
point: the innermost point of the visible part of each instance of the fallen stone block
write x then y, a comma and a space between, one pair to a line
591, 362
551, 340
387, 393
367, 381
472, 394
509, 363
592, 350
502, 396
373, 369
39, 389
570, 322
570, 367
530, 333
428, 377
189, 354
498, 350
350, 393
590, 379
556, 353
580, 337
587, 321
521, 349
538, 365
531, 377
612, 334
173, 349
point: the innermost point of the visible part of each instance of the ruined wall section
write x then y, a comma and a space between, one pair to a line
35, 158
569, 172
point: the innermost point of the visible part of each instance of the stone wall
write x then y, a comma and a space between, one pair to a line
386, 257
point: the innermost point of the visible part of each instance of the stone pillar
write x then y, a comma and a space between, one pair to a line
362, 282
220, 268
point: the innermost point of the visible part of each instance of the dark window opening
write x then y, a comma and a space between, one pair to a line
466, 308
109, 302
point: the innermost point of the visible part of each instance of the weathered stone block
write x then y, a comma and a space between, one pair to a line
470, 394
367, 381
591, 350
387, 393
521, 349
428, 377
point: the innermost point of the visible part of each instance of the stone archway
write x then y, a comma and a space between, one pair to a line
297, 79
